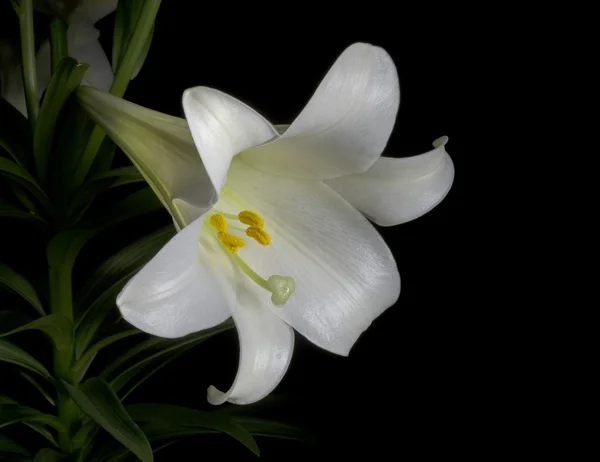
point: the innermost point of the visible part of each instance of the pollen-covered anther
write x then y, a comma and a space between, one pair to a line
230, 242
259, 235
219, 222
251, 219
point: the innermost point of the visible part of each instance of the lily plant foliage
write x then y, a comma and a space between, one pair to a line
274, 221
83, 44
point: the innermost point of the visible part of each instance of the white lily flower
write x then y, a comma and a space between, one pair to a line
280, 243
83, 45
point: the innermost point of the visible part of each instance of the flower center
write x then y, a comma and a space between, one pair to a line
281, 287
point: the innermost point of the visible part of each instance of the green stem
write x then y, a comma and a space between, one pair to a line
58, 41
61, 302
143, 29
28, 60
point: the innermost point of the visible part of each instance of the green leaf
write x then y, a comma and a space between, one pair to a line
92, 319
8, 445
84, 434
14, 134
83, 363
273, 429
10, 211
64, 81
98, 401
17, 173
47, 455
64, 247
43, 431
125, 261
110, 179
155, 353
11, 353
11, 413
185, 417
71, 139
56, 326
127, 17
12, 280
134, 205
38, 387
103, 159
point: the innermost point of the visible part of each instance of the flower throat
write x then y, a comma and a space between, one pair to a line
281, 287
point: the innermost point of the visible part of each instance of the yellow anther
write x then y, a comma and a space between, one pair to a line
230, 242
259, 235
251, 219
219, 222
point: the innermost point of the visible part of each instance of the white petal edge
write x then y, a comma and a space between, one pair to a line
266, 346
85, 47
12, 79
222, 127
345, 126
187, 287
345, 273
395, 191
12, 89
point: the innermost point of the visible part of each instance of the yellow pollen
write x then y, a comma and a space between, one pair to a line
219, 222
230, 242
251, 219
259, 235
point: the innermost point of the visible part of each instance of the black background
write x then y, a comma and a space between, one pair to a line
405, 387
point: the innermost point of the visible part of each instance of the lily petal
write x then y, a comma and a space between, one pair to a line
345, 126
395, 191
12, 89
85, 47
266, 345
162, 148
222, 127
187, 287
344, 272
12, 79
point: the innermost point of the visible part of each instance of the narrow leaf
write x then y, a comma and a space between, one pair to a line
65, 80
93, 318
98, 401
11, 413
14, 134
38, 387
186, 417
11, 353
158, 355
47, 455
8, 445
23, 177
117, 177
56, 326
129, 259
64, 247
273, 429
83, 363
127, 17
12, 280
43, 431
134, 205
10, 211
